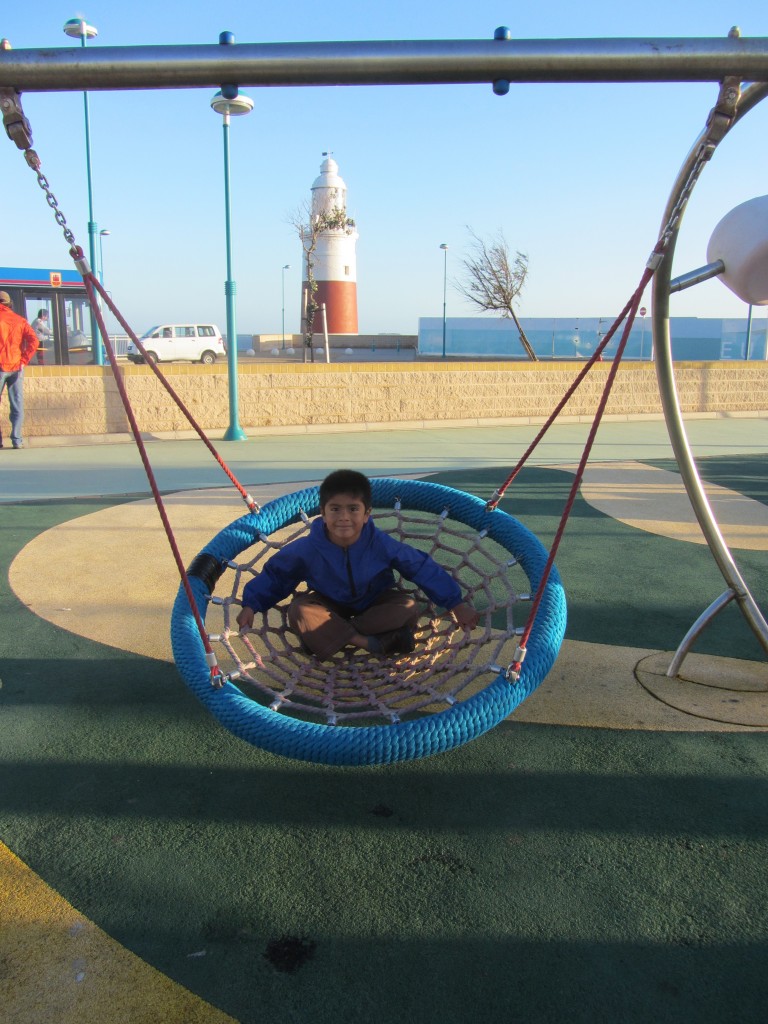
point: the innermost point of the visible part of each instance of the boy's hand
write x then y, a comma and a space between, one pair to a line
245, 618
466, 615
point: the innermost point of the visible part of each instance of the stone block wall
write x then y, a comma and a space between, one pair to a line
72, 402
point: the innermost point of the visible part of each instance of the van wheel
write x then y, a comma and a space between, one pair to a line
208, 358
152, 357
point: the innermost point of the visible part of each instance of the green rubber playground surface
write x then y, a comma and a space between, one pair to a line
542, 873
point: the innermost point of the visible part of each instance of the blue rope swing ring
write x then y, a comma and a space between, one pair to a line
464, 720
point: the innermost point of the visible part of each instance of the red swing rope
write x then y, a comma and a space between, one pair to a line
247, 498
19, 131
720, 119
596, 356
514, 669
719, 122
89, 281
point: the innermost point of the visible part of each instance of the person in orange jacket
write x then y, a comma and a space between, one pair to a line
18, 343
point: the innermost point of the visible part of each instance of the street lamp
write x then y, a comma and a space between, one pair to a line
642, 311
78, 28
749, 333
102, 233
230, 103
286, 267
444, 247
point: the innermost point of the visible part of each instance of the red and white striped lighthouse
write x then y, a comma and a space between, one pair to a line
333, 259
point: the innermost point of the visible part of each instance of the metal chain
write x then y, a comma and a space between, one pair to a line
54, 205
719, 122
19, 130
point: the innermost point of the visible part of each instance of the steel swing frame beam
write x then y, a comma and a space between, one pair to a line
414, 62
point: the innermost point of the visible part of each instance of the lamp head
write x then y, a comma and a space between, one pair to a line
78, 28
235, 106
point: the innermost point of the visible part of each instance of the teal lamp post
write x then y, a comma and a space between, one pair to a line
78, 28
230, 103
444, 247
286, 267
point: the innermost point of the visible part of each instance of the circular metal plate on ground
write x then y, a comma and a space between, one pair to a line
718, 689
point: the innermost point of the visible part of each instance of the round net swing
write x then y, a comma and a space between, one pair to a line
358, 708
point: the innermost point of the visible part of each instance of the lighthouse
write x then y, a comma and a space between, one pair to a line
333, 256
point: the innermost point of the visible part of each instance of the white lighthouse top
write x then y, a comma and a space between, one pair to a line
329, 176
329, 191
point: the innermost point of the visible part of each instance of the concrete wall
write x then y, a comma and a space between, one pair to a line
72, 402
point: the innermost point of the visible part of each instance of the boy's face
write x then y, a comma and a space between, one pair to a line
344, 516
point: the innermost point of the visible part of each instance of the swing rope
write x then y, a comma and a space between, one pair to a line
719, 122
89, 281
19, 131
578, 476
249, 500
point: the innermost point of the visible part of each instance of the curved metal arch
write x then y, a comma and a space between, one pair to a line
737, 587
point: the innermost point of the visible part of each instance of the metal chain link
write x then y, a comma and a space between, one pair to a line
61, 220
719, 122
19, 131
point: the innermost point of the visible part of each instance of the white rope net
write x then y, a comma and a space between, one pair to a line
269, 664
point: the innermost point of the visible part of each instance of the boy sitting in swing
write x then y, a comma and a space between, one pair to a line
347, 563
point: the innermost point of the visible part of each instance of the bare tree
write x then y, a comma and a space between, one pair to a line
494, 279
309, 224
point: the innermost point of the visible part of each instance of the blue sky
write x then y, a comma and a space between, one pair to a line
577, 176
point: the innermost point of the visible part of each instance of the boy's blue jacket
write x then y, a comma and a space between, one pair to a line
353, 576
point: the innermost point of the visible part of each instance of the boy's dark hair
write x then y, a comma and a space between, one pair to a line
345, 481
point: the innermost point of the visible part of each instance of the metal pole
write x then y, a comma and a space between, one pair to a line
325, 334
93, 231
103, 232
286, 267
444, 247
78, 27
229, 101
234, 431
642, 311
405, 62
693, 277
749, 333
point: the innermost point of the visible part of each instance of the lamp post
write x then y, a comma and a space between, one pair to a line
230, 103
444, 247
102, 233
78, 28
748, 346
286, 267
642, 311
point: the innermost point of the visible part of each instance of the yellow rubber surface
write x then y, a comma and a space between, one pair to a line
57, 967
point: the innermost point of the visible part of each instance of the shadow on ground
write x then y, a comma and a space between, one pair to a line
539, 874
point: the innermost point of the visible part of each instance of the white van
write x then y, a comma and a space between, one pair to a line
165, 342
